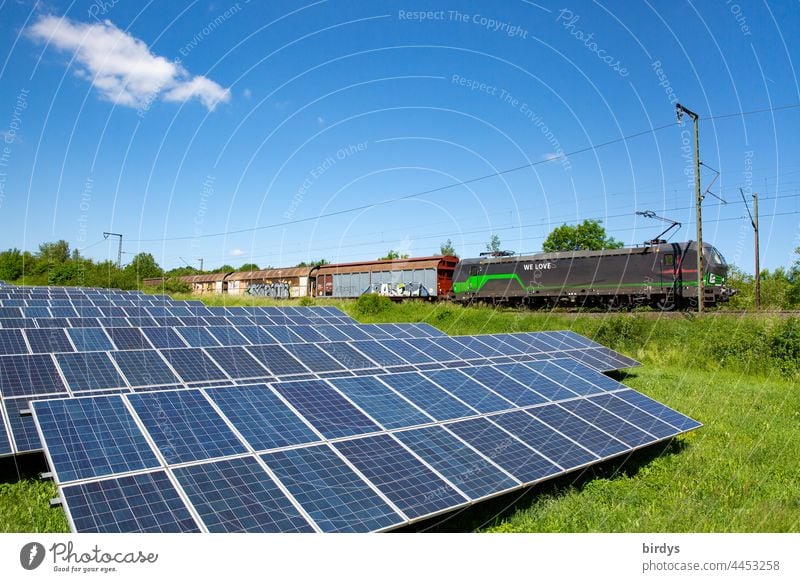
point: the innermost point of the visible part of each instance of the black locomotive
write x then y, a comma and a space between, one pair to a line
661, 275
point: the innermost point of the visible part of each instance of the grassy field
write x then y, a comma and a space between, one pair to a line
740, 472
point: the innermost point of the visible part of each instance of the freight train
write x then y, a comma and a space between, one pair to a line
663, 275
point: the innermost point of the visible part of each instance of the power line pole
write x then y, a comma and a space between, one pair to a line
680, 110
119, 250
758, 265
201, 263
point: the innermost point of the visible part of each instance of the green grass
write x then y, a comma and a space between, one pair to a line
739, 472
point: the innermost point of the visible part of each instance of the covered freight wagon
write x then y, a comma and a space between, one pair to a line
417, 277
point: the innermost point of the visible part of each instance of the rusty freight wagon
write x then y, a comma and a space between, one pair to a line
430, 277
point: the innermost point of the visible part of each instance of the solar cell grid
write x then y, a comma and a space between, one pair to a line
28, 375
277, 360
238, 495
144, 367
331, 492
608, 422
504, 385
92, 437
407, 351
128, 338
428, 396
469, 390
184, 426
89, 371
282, 335
380, 402
456, 461
193, 365
658, 410
5, 443
634, 415
228, 336
12, 342
313, 357
237, 362
437, 352
90, 339
327, 410
574, 383
600, 443
197, 337
146, 502
307, 333
347, 356
379, 354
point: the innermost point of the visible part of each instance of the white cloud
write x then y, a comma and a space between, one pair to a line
247, 93
237, 252
122, 68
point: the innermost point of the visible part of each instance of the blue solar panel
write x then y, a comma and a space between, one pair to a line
407, 482
29, 375
635, 416
144, 367
277, 360
377, 353
193, 365
459, 463
347, 356
381, 403
238, 495
237, 362
539, 380
197, 337
89, 371
128, 338
23, 429
163, 337
90, 339
433, 348
470, 391
428, 396
589, 374
574, 383
327, 410
661, 412
12, 342
406, 351
5, 443
505, 386
609, 423
332, 333
308, 333
471, 343
355, 332
313, 357
92, 437
504, 450
84, 322
256, 335
36, 312
589, 437
261, 417
63, 311
141, 503
228, 336
544, 439
185, 426
282, 335
334, 495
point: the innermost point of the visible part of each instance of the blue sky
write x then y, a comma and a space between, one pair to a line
179, 124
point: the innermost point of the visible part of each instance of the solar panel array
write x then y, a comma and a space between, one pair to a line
194, 418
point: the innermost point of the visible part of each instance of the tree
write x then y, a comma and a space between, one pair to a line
57, 252
317, 263
392, 254
447, 248
249, 267
586, 236
493, 246
144, 266
224, 269
11, 265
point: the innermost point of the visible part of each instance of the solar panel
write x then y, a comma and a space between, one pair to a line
185, 426
237, 495
28, 375
555, 446
457, 462
163, 337
89, 371
634, 415
282, 335
598, 379
519, 460
609, 423
590, 437
327, 410
228, 336
330, 491
332, 332
411, 485
540, 381
355, 332
347, 355
147, 502
313, 358
407, 351
237, 362
472, 344
256, 335
12, 342
380, 402
506, 386
427, 396
469, 391
261, 417
197, 337
438, 352
377, 353
23, 429
277, 360
658, 410
574, 383
5, 443
128, 338
193, 365
90, 339
144, 368
308, 333
92, 437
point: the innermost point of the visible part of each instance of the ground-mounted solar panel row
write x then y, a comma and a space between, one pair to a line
127, 368
346, 454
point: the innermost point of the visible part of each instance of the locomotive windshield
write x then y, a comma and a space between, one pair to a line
716, 256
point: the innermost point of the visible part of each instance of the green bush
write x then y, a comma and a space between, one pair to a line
175, 285
621, 331
372, 304
307, 302
784, 346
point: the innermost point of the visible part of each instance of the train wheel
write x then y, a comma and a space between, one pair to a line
667, 303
